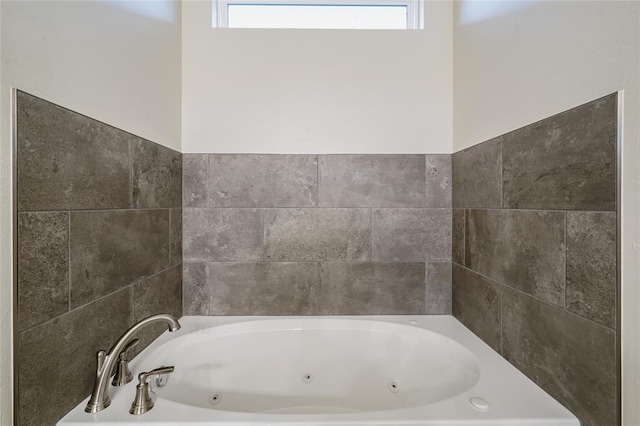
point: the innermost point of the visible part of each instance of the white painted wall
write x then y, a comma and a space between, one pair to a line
317, 91
518, 62
115, 61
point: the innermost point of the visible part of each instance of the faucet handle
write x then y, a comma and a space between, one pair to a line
142, 402
123, 374
162, 370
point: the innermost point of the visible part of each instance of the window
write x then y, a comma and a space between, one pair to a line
331, 14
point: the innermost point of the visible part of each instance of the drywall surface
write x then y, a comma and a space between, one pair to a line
316, 91
118, 62
518, 62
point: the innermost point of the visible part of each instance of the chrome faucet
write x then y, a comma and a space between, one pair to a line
107, 361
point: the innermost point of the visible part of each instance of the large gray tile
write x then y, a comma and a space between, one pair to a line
591, 266
220, 235
317, 235
477, 175
571, 358
57, 359
112, 249
439, 188
195, 291
477, 304
263, 288
567, 161
69, 161
523, 249
157, 175
159, 294
43, 267
457, 236
195, 180
411, 235
372, 181
438, 288
372, 288
263, 180
175, 225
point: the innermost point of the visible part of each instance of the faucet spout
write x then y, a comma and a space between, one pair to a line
107, 361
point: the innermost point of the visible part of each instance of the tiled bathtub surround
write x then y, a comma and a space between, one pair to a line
99, 248
534, 253
316, 234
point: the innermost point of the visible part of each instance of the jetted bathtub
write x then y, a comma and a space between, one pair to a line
338, 371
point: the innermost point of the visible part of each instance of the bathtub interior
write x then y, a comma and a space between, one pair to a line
321, 366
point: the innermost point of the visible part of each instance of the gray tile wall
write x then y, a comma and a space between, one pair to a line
99, 248
316, 234
534, 253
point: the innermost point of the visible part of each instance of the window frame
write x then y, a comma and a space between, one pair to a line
415, 15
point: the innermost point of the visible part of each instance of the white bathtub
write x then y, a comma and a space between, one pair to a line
385, 370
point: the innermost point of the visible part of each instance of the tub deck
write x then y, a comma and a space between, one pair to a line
512, 398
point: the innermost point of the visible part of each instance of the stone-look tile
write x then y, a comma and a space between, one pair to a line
175, 237
69, 161
157, 175
159, 294
220, 235
522, 249
372, 288
263, 288
457, 237
57, 359
112, 249
438, 170
591, 266
293, 235
477, 304
195, 289
43, 267
263, 180
411, 235
567, 161
372, 181
195, 180
477, 175
438, 288
571, 358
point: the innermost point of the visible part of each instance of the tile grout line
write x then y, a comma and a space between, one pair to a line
566, 251
69, 260
130, 174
